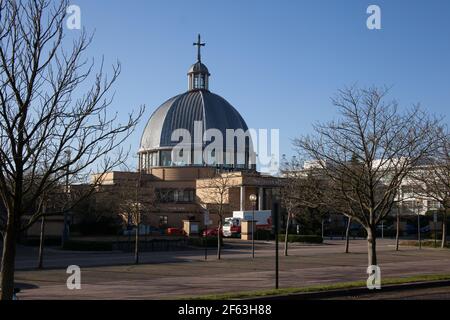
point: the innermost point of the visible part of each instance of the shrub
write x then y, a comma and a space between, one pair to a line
263, 235
301, 238
35, 241
101, 226
362, 233
425, 243
87, 245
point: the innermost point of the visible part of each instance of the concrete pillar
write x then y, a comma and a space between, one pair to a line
260, 198
242, 199
246, 229
140, 161
192, 228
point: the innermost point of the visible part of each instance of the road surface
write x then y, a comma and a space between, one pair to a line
110, 275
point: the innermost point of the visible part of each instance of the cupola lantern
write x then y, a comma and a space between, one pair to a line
198, 75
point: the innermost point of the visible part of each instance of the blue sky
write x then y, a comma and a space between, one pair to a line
278, 62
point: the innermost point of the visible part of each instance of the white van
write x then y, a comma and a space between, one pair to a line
232, 225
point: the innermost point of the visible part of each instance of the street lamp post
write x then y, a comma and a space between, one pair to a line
275, 212
253, 201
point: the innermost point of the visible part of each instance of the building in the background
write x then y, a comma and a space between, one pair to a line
183, 188
412, 204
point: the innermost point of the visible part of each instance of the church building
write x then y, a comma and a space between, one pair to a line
185, 188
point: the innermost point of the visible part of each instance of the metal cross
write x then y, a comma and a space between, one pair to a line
199, 44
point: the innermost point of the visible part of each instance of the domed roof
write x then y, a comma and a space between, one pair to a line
181, 111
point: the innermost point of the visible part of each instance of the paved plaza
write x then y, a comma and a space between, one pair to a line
177, 274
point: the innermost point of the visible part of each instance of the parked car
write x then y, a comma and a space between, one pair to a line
175, 232
210, 232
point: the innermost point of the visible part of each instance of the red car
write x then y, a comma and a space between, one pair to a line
210, 232
175, 232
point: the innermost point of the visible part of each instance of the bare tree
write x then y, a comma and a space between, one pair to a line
306, 188
397, 226
290, 207
50, 202
431, 180
135, 207
289, 195
45, 115
213, 194
331, 197
42, 239
347, 234
386, 145
301, 191
334, 196
3, 221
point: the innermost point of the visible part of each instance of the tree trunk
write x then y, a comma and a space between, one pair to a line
129, 247
347, 234
444, 229
397, 234
286, 235
219, 238
136, 246
323, 227
41, 244
8, 260
372, 246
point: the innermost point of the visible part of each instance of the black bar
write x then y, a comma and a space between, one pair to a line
276, 223
205, 239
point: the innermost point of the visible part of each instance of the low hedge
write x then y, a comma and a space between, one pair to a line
425, 243
75, 245
35, 241
103, 226
200, 242
264, 235
301, 238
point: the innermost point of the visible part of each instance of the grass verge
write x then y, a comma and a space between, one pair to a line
316, 288
425, 243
